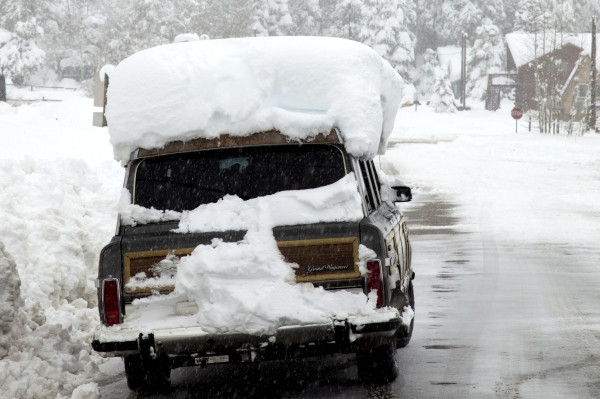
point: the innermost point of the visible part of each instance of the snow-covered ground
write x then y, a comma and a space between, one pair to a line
537, 187
59, 190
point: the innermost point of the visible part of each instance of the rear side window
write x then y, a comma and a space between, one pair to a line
184, 181
371, 184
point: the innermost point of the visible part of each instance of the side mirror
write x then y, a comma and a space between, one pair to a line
403, 193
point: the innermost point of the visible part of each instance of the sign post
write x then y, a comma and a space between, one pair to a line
516, 113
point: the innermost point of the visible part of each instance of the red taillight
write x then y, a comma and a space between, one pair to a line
374, 280
111, 297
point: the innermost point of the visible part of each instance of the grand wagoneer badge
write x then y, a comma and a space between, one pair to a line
322, 259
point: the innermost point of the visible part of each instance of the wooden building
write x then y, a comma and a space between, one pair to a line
553, 73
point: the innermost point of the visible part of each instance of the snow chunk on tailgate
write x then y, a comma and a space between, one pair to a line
300, 86
247, 286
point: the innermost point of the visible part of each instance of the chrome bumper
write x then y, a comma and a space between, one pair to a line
337, 336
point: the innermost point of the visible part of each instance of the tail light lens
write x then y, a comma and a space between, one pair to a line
375, 280
111, 301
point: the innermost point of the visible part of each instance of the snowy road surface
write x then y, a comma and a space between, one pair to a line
502, 319
495, 319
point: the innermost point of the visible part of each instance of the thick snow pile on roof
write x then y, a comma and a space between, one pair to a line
525, 47
298, 85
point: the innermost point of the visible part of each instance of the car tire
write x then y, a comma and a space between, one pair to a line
377, 365
147, 375
404, 335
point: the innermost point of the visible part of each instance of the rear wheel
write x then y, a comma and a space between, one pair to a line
147, 375
378, 365
404, 335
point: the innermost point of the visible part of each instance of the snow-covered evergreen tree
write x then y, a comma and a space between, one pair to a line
442, 99
271, 18
588, 9
154, 23
14, 11
485, 57
21, 57
347, 19
307, 17
217, 18
73, 34
260, 17
386, 30
279, 21
441, 22
425, 75
117, 39
564, 16
427, 15
533, 16
495, 11
457, 17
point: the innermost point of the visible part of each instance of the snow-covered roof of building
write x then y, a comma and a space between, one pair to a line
300, 86
451, 57
525, 47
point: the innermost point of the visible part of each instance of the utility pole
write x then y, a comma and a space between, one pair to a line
463, 72
592, 122
2, 87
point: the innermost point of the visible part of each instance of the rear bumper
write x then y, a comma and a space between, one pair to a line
338, 336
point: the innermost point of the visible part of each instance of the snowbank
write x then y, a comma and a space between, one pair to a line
57, 212
298, 85
56, 215
10, 301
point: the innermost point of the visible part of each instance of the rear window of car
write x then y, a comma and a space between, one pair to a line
186, 180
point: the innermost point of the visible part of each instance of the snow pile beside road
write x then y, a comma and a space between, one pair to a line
53, 130
11, 303
301, 86
54, 222
56, 214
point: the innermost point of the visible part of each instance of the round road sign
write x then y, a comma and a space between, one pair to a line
516, 113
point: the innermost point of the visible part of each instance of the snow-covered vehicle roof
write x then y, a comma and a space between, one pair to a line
300, 86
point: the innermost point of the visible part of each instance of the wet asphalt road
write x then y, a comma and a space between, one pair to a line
493, 320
